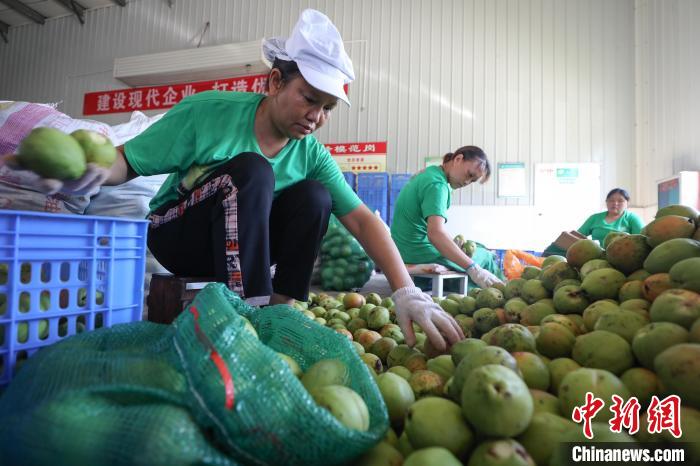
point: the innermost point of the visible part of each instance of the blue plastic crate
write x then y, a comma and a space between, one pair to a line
373, 189
62, 274
350, 178
398, 181
499, 253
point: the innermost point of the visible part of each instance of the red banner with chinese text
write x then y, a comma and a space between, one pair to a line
163, 97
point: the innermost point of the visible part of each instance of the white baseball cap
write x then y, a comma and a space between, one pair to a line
317, 48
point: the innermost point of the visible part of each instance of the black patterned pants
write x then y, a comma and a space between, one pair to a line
231, 227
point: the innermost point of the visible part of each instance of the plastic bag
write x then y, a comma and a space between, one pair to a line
17, 120
514, 262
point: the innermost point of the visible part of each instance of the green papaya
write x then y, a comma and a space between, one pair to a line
667, 254
52, 154
98, 149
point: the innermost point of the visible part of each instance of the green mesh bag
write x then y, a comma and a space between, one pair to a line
112, 396
274, 420
203, 391
344, 263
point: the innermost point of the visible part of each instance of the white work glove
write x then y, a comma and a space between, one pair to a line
483, 278
412, 305
94, 177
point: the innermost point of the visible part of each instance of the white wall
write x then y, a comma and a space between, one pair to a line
668, 92
528, 80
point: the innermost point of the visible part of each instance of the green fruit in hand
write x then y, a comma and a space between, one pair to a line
52, 154
98, 149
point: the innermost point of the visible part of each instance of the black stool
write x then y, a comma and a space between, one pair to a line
169, 295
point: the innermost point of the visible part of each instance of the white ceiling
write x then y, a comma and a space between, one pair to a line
47, 8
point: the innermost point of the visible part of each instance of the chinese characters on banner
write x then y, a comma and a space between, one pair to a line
359, 157
162, 97
661, 415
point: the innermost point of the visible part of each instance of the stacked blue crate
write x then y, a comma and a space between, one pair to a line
373, 189
398, 181
350, 178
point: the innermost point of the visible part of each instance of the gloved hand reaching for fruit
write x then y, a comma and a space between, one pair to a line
412, 305
483, 278
50, 161
93, 177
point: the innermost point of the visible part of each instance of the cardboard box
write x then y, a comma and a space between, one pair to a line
567, 238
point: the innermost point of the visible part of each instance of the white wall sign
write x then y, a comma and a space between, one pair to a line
512, 180
570, 186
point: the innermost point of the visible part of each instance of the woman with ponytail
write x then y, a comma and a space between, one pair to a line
418, 227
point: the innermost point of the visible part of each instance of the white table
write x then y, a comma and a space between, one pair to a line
438, 278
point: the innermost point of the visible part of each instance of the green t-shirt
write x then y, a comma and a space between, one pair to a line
598, 228
426, 194
209, 128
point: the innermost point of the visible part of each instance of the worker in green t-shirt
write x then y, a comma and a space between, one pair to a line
250, 186
420, 213
615, 218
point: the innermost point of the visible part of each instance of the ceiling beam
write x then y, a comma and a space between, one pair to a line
24, 10
4, 29
76, 8
120, 2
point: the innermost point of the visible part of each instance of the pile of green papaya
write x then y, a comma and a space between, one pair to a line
344, 264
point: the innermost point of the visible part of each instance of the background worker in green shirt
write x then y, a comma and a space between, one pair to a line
251, 187
615, 218
418, 227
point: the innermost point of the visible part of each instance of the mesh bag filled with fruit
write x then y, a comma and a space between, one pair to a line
221, 386
344, 264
